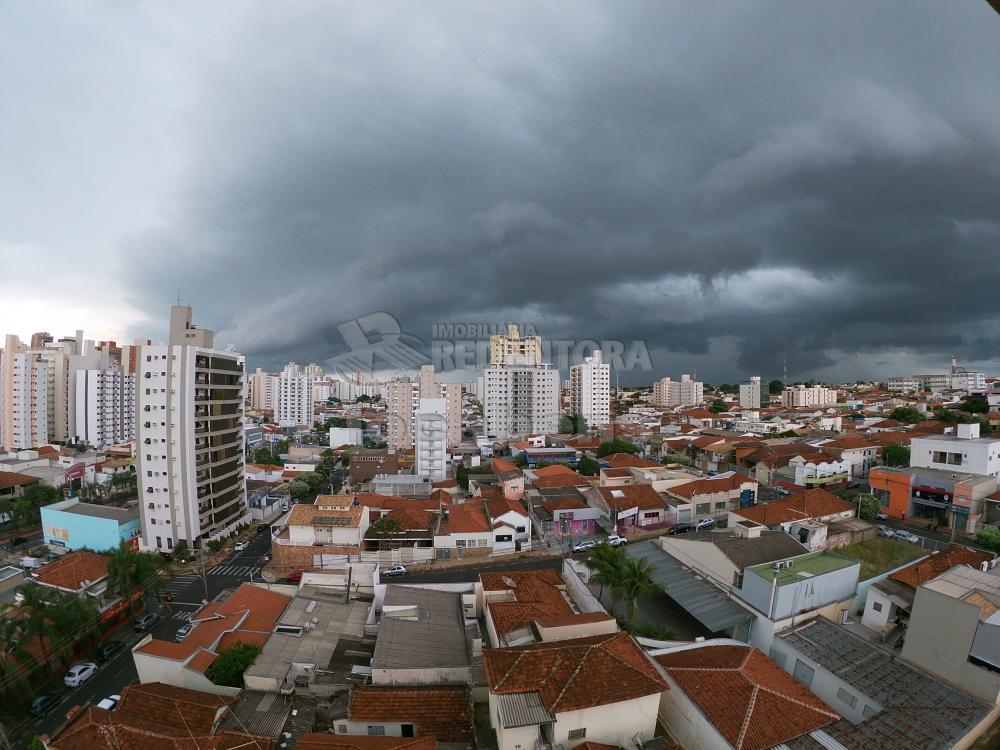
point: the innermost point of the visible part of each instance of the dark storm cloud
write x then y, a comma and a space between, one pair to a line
733, 183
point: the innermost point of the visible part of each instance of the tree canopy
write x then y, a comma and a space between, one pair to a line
610, 447
231, 663
718, 406
775, 387
895, 454
907, 414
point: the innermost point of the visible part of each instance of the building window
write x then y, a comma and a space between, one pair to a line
376, 731
846, 698
803, 673
868, 711
877, 606
703, 507
576, 734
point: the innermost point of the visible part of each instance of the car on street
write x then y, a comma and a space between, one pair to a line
240, 546
884, 531
265, 559
782, 491
680, 528
109, 703
395, 570
907, 536
882, 516
295, 576
43, 704
584, 546
704, 523
145, 622
108, 649
183, 631
80, 673
264, 528
617, 541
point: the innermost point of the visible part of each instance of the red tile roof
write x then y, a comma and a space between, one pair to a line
576, 618
575, 674
10, 479
73, 569
641, 496
411, 519
623, 472
750, 700
571, 479
497, 508
445, 484
443, 712
537, 594
501, 464
937, 563
466, 518
554, 470
848, 443
394, 502
710, 485
622, 460
814, 503
326, 741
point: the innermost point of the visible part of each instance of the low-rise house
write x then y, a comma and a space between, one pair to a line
320, 535
512, 516
248, 615
327, 741
806, 516
13, 484
75, 525
945, 497
730, 696
443, 712
712, 496
365, 463
885, 703
888, 602
403, 528
165, 717
814, 471
81, 572
465, 531
601, 688
562, 511
722, 558
266, 499
635, 507
859, 453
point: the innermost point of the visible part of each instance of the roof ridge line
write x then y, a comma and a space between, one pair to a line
749, 714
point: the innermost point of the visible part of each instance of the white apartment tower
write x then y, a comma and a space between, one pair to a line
799, 396
403, 399
262, 386
294, 397
105, 407
750, 394
683, 392
430, 438
590, 390
189, 438
520, 398
505, 347
24, 392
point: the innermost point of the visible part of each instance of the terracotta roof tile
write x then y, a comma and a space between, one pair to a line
553, 470
502, 464
497, 508
710, 485
307, 514
325, 741
575, 674
444, 712
937, 563
10, 479
537, 594
641, 496
750, 700
814, 503
395, 502
571, 479
71, 570
465, 518
622, 460
411, 519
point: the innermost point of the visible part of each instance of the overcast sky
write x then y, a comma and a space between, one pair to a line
732, 182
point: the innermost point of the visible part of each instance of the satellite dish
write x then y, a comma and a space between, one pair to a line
268, 576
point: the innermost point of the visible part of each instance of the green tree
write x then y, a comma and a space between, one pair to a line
300, 490
975, 405
610, 447
36, 621
718, 406
635, 581
606, 563
383, 528
130, 571
989, 538
895, 454
868, 507
775, 387
14, 658
907, 414
573, 424
231, 663
588, 467
181, 550
41, 494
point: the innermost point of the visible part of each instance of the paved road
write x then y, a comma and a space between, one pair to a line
188, 590
932, 540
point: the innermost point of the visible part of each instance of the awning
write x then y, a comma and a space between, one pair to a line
703, 601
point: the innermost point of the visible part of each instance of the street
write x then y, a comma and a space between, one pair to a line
188, 590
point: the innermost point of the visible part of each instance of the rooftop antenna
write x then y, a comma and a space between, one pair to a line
178, 297
784, 363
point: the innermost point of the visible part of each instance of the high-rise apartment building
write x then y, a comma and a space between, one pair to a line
683, 392
798, 396
294, 397
403, 403
24, 393
750, 394
313, 370
190, 440
104, 406
430, 438
509, 347
590, 390
262, 388
520, 399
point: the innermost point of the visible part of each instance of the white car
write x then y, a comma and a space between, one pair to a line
395, 570
706, 522
584, 546
109, 703
616, 541
240, 546
907, 536
885, 531
80, 673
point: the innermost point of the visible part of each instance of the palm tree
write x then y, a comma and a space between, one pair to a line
606, 562
129, 571
15, 661
383, 527
36, 621
73, 613
636, 581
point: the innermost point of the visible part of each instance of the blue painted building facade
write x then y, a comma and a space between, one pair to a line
75, 525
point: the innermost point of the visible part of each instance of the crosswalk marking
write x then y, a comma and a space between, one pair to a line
236, 571
184, 615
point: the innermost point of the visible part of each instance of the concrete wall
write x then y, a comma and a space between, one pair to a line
78, 531
614, 724
155, 669
939, 638
799, 596
513, 737
436, 676
686, 723
577, 589
704, 557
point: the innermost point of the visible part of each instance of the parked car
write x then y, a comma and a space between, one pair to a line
109, 703
43, 704
705, 523
680, 528
395, 570
884, 531
266, 559
617, 541
80, 673
882, 516
108, 649
145, 622
264, 528
183, 631
907, 536
295, 576
240, 546
584, 546
782, 491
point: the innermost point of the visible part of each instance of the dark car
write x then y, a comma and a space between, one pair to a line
264, 528
295, 576
18, 541
107, 650
43, 704
680, 528
145, 622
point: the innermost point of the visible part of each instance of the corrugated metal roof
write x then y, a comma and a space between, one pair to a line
702, 600
522, 710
